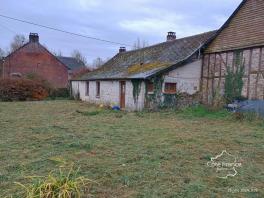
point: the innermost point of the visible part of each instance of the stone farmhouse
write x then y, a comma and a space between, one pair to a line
153, 76
34, 59
146, 77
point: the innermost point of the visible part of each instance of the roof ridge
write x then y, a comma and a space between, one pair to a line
165, 42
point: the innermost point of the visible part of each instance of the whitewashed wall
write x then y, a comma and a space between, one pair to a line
109, 93
186, 77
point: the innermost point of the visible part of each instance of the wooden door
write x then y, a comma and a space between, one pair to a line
122, 94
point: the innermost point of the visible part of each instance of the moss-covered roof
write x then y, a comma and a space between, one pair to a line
145, 62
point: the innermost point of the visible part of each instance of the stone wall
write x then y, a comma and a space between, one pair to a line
186, 77
109, 93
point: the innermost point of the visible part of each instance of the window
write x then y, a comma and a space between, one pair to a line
98, 89
150, 87
87, 88
170, 88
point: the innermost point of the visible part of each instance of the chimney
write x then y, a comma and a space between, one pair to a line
122, 49
33, 37
171, 36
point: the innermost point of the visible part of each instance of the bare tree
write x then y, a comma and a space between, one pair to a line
138, 44
98, 62
78, 55
57, 53
2, 53
17, 42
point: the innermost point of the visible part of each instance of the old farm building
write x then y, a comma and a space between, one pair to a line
34, 58
146, 77
241, 38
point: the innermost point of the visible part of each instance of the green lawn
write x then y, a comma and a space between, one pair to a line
148, 155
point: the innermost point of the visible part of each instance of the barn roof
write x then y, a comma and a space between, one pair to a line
225, 25
71, 63
145, 62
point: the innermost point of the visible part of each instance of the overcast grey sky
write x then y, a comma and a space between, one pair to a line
118, 20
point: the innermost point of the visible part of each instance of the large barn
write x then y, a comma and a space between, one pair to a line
147, 77
241, 37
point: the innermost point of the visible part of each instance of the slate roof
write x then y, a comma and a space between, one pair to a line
145, 62
71, 63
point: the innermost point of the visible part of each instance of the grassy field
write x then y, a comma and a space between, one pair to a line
150, 155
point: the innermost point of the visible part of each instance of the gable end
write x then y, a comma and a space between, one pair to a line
245, 28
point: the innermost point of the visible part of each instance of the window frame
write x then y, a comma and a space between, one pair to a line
150, 84
168, 88
98, 89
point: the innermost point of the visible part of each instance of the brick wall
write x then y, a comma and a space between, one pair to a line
34, 58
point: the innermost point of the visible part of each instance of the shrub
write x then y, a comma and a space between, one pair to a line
57, 185
234, 79
37, 78
21, 90
59, 93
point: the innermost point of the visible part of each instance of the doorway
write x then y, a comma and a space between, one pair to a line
122, 94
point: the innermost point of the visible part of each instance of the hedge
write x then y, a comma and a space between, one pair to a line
22, 89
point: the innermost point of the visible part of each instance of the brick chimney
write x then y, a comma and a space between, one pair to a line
171, 36
33, 37
122, 49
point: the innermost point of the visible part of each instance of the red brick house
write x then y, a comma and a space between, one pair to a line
241, 36
34, 58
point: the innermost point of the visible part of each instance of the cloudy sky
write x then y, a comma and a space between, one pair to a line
122, 21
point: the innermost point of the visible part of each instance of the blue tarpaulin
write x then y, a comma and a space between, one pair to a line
251, 106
